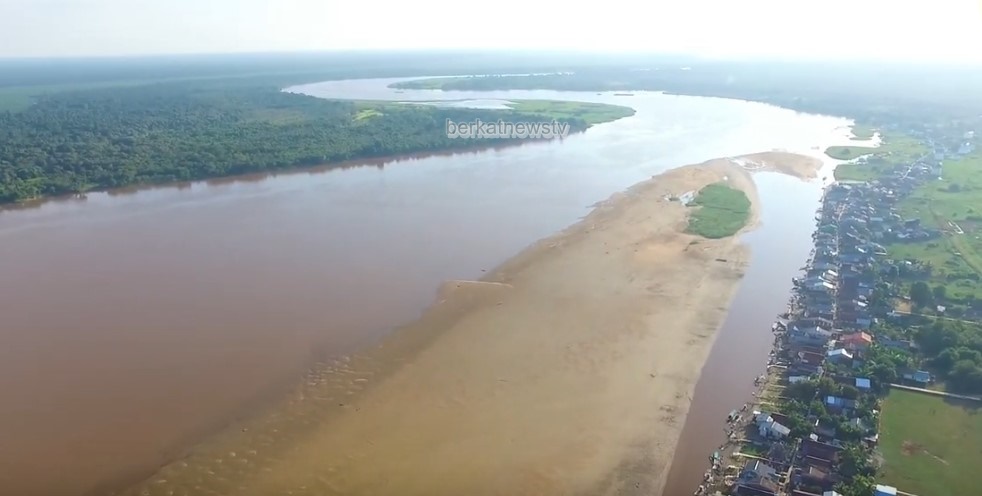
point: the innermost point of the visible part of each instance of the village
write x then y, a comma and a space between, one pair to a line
812, 427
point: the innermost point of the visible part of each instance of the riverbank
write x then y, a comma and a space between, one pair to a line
569, 369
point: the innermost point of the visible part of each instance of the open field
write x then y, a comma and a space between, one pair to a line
953, 204
721, 211
592, 113
862, 132
848, 152
895, 149
930, 446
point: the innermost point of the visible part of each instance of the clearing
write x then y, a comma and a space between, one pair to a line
954, 205
894, 149
929, 445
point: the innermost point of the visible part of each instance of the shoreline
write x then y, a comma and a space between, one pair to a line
379, 162
538, 379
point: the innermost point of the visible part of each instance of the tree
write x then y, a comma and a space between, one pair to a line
883, 373
853, 462
848, 432
939, 293
802, 391
966, 376
920, 294
858, 486
849, 392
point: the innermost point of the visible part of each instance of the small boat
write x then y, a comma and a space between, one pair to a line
731, 416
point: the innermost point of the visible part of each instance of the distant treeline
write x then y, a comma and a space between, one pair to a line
104, 138
877, 93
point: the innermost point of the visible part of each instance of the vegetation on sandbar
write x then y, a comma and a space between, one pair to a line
720, 211
591, 113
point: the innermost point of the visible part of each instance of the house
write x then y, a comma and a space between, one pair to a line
882, 490
820, 464
757, 479
814, 476
768, 427
808, 362
863, 384
825, 429
858, 341
822, 451
921, 377
838, 404
839, 356
895, 344
757, 469
831, 493
812, 336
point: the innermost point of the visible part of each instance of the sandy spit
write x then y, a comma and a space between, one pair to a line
567, 370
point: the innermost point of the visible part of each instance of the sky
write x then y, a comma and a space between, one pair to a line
943, 30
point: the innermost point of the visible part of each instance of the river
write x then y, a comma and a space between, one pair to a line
137, 322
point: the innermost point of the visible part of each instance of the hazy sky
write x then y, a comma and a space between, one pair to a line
922, 29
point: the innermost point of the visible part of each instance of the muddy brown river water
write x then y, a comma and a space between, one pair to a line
136, 323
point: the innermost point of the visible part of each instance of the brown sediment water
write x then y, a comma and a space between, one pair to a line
135, 323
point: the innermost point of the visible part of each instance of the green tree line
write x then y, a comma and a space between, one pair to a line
105, 138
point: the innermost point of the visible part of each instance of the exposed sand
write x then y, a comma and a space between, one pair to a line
568, 370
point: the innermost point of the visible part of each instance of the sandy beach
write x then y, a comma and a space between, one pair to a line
567, 370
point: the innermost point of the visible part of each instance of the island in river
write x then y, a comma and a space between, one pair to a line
567, 370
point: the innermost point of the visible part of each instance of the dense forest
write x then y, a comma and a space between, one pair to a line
103, 138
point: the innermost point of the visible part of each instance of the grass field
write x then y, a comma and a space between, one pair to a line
862, 171
592, 113
930, 447
848, 152
956, 198
862, 132
721, 211
895, 149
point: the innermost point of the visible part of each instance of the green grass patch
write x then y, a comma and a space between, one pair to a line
930, 446
894, 149
367, 113
721, 211
592, 113
862, 171
848, 152
862, 132
956, 198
